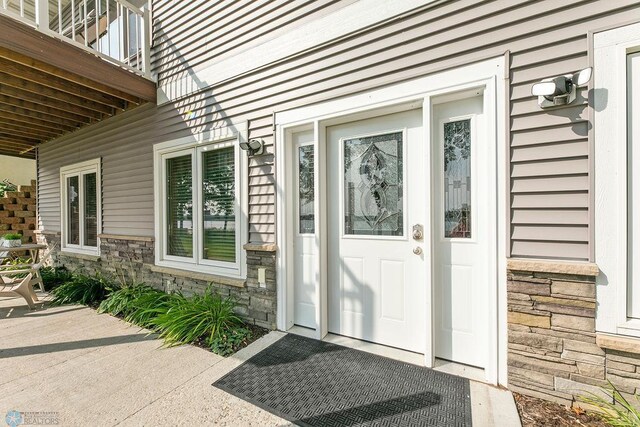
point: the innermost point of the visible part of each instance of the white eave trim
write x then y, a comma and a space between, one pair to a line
353, 17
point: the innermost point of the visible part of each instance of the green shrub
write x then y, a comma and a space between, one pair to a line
620, 413
82, 290
150, 305
53, 277
121, 301
230, 341
205, 317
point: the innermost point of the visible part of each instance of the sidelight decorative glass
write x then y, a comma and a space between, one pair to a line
218, 205
306, 197
373, 187
90, 210
73, 210
457, 179
179, 206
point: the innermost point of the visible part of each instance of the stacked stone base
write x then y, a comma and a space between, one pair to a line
131, 260
554, 350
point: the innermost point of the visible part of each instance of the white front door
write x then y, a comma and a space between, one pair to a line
375, 196
461, 231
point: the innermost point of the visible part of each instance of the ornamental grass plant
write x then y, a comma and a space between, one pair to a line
81, 289
614, 408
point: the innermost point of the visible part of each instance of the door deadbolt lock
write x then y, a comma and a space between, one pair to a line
418, 232
417, 250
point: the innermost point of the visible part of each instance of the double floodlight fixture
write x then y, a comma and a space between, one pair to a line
560, 90
253, 147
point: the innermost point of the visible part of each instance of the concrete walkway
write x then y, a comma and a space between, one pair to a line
89, 369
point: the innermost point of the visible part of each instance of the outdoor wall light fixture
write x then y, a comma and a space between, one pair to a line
253, 147
560, 90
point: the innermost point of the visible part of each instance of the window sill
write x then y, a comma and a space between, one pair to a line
190, 274
618, 342
559, 267
260, 247
86, 257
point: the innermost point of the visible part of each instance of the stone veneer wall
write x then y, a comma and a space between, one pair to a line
131, 259
18, 212
554, 351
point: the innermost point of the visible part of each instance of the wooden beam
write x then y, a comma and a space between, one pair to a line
28, 155
17, 139
57, 83
29, 122
26, 132
24, 154
53, 93
54, 71
51, 102
27, 41
39, 108
9, 143
12, 122
40, 116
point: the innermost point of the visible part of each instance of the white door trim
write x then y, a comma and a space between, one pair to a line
488, 75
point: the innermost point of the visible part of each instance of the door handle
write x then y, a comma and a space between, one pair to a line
417, 250
418, 232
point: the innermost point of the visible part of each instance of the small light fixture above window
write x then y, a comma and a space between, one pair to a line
560, 90
254, 147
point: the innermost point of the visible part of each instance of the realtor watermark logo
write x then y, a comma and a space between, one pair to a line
33, 418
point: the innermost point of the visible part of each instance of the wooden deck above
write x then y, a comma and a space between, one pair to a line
49, 88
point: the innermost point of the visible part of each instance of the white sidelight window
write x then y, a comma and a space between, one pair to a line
80, 201
617, 180
199, 207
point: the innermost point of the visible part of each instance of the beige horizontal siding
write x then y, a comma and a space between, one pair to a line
550, 194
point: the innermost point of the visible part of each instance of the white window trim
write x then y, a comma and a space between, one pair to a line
80, 169
196, 145
610, 152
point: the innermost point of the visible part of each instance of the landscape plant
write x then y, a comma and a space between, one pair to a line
52, 277
149, 305
614, 409
81, 289
208, 320
12, 236
121, 301
205, 317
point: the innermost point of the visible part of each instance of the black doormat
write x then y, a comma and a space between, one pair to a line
315, 383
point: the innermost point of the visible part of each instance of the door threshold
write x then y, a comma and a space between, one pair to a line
366, 346
460, 370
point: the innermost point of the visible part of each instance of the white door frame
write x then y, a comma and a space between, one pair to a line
418, 93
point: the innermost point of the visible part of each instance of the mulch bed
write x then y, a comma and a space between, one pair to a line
536, 412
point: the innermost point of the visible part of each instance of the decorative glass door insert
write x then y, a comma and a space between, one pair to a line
306, 193
457, 179
373, 187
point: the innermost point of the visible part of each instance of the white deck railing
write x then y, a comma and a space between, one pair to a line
115, 30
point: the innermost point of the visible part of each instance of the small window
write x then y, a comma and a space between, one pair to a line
457, 179
80, 201
306, 193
